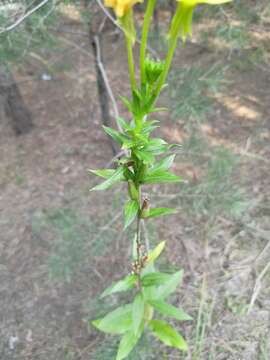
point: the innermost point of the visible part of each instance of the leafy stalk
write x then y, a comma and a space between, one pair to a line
131, 65
145, 30
174, 35
141, 167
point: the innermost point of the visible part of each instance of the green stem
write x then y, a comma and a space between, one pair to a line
174, 34
138, 236
145, 30
131, 65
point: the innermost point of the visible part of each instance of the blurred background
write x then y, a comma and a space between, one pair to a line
62, 70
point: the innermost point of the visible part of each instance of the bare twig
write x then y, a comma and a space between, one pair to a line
106, 81
117, 156
146, 237
257, 287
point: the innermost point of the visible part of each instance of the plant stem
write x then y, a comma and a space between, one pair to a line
131, 65
138, 229
145, 30
174, 33
138, 239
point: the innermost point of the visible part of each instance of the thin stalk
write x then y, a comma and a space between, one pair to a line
131, 65
138, 236
175, 30
138, 229
145, 31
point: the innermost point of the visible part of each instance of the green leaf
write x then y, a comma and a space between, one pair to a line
157, 146
167, 334
116, 322
127, 103
104, 173
161, 211
164, 164
144, 156
170, 286
149, 126
137, 313
123, 123
131, 211
160, 109
116, 135
128, 144
127, 343
169, 310
160, 176
155, 278
153, 255
116, 177
125, 284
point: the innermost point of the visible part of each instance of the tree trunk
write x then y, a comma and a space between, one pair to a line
12, 102
156, 23
95, 40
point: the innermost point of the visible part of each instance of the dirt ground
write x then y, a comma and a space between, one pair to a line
45, 199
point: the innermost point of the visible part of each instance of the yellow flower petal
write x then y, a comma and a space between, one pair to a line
121, 7
110, 3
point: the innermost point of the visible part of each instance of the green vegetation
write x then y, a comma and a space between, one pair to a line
191, 91
30, 36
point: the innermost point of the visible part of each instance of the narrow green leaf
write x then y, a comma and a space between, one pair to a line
155, 212
166, 289
170, 310
137, 313
157, 146
104, 173
144, 156
160, 109
131, 211
116, 177
167, 334
123, 123
125, 284
160, 176
153, 255
127, 103
116, 135
149, 126
164, 164
156, 142
155, 278
116, 322
127, 343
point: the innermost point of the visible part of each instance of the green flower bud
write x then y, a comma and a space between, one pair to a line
153, 70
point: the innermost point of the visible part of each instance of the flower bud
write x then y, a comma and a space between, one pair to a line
145, 208
153, 70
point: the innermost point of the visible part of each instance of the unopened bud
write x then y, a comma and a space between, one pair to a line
145, 208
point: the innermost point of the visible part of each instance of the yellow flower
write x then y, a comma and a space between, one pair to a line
121, 7
183, 17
